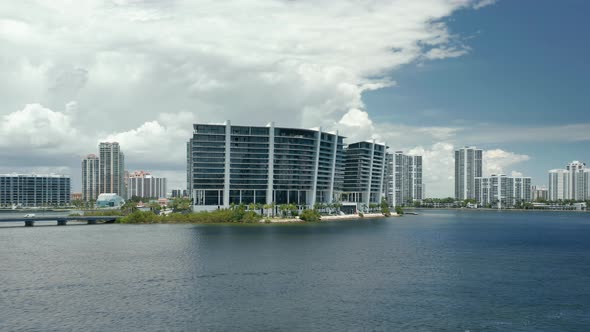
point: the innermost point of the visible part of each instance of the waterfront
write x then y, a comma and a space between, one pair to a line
440, 270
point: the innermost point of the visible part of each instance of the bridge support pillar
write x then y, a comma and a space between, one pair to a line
62, 222
91, 222
29, 223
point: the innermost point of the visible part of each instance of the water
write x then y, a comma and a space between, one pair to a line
439, 271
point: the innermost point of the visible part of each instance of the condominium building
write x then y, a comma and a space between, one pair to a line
229, 164
468, 166
571, 183
178, 193
364, 172
403, 181
576, 180
539, 193
90, 176
502, 191
33, 190
143, 184
111, 169
559, 184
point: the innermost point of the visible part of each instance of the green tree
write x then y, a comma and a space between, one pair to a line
155, 207
399, 210
129, 207
385, 208
78, 203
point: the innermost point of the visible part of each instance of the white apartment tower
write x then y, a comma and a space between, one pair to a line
90, 176
576, 179
559, 184
571, 183
468, 166
403, 183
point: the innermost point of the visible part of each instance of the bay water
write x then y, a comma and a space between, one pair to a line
437, 271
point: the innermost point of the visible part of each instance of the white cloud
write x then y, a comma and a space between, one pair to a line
438, 168
497, 161
298, 63
484, 3
444, 53
159, 142
38, 128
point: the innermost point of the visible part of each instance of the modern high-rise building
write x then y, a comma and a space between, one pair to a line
33, 190
468, 166
576, 180
229, 164
502, 191
403, 181
571, 183
559, 184
364, 173
144, 185
90, 176
111, 169
539, 193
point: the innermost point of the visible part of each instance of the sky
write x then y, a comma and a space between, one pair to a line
426, 77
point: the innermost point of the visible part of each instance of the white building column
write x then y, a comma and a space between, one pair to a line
316, 166
368, 195
227, 163
271, 163
383, 165
333, 176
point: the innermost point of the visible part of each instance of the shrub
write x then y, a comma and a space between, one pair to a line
385, 208
237, 215
310, 215
140, 217
399, 210
361, 215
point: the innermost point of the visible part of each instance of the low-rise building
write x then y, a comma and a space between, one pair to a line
143, 184
109, 200
34, 190
539, 193
501, 191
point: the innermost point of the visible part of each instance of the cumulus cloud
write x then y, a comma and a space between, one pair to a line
158, 142
438, 165
497, 161
38, 128
126, 63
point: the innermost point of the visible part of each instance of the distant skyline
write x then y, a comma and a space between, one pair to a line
427, 77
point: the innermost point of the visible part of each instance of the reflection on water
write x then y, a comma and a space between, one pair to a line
440, 270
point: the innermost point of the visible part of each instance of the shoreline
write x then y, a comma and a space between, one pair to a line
263, 221
492, 209
331, 218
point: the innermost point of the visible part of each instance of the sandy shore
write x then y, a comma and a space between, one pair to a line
332, 218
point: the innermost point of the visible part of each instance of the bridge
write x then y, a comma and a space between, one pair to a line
61, 221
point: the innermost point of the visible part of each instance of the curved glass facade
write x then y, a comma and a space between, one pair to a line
242, 165
364, 172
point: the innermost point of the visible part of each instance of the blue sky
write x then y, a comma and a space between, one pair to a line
527, 67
